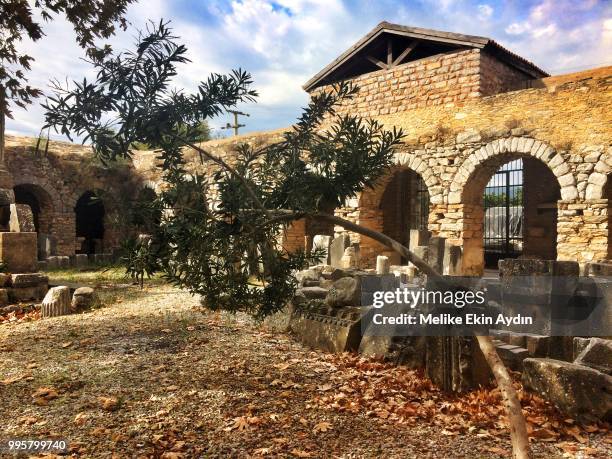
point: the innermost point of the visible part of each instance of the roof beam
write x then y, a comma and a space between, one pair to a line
377, 62
389, 53
405, 53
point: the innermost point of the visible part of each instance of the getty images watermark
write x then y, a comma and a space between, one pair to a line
412, 298
551, 306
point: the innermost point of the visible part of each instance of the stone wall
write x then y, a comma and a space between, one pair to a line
59, 177
561, 123
444, 79
497, 76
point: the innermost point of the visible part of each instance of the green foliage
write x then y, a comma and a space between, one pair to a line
499, 199
222, 246
91, 19
200, 133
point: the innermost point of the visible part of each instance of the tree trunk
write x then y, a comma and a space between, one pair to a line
518, 427
2, 127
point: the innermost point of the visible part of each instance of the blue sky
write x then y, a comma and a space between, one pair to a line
284, 42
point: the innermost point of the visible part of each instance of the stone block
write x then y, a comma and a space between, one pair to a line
83, 298
5, 279
576, 390
597, 354
313, 293
4, 297
28, 280
418, 237
42, 265
344, 292
53, 262
36, 293
329, 329
382, 265
56, 302
451, 263
435, 253
598, 269
321, 242
81, 260
21, 219
63, 262
18, 252
580, 345
337, 247
47, 245
512, 356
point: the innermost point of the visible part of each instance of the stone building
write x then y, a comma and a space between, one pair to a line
490, 139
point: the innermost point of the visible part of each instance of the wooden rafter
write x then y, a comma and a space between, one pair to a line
405, 53
389, 53
377, 62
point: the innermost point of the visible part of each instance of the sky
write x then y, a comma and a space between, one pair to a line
283, 43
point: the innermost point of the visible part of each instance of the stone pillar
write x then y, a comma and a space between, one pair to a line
382, 265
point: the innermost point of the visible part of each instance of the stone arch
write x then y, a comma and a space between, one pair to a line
40, 202
379, 206
540, 215
599, 178
43, 204
43, 187
519, 147
90, 212
413, 162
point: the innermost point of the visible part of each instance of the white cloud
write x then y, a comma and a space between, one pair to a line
517, 28
484, 12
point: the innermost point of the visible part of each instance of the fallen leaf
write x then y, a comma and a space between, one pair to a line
45, 393
108, 403
300, 453
12, 379
322, 427
80, 419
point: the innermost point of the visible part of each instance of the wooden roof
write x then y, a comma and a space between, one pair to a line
425, 35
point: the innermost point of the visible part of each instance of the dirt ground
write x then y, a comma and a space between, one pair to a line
149, 375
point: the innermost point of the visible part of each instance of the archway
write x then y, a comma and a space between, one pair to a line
41, 204
510, 210
399, 202
89, 213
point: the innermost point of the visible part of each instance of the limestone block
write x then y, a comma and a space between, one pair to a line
597, 354
470, 135
4, 279
313, 293
21, 219
382, 265
418, 237
34, 293
18, 251
64, 262
81, 260
83, 298
569, 193
578, 391
336, 249
350, 259
56, 302
28, 280
344, 292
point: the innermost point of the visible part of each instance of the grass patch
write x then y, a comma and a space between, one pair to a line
97, 275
